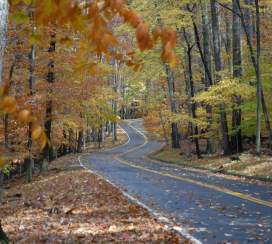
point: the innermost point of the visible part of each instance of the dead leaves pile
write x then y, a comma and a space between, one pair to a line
73, 206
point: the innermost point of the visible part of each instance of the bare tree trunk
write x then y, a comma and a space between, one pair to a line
228, 39
49, 103
236, 139
171, 93
218, 69
29, 161
192, 90
114, 103
3, 30
206, 60
258, 80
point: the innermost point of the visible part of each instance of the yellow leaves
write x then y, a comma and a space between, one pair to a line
24, 116
20, 17
36, 132
2, 162
39, 134
224, 92
9, 105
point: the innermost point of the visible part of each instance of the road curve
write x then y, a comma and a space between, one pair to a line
213, 209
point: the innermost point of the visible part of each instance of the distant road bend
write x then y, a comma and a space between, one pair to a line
213, 209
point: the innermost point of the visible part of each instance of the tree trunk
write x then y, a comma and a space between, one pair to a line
114, 103
171, 93
228, 39
218, 69
80, 142
207, 63
50, 80
236, 139
3, 30
258, 80
191, 82
192, 90
29, 161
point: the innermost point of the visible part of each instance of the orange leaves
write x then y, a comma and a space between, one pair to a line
166, 34
169, 41
36, 132
169, 35
131, 17
143, 38
9, 105
24, 116
157, 33
116, 5
168, 55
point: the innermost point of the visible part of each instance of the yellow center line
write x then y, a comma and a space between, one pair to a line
188, 180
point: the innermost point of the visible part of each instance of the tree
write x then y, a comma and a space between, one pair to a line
218, 69
3, 28
236, 139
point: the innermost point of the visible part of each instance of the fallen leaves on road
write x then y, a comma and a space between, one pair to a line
73, 206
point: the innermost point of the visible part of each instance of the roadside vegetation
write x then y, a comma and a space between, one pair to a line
245, 165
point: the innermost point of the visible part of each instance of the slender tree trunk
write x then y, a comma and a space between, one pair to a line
248, 20
6, 116
171, 93
228, 42
192, 94
258, 80
49, 103
114, 103
236, 139
80, 141
3, 30
192, 90
206, 60
218, 69
29, 160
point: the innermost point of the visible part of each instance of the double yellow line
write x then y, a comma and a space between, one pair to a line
188, 180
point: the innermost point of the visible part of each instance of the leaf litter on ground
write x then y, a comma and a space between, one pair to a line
70, 205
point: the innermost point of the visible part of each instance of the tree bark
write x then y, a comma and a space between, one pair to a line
218, 69
49, 104
236, 139
171, 93
205, 55
258, 80
192, 91
29, 161
3, 30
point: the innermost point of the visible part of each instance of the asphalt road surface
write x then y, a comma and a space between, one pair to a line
211, 208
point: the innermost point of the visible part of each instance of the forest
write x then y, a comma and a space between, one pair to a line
197, 73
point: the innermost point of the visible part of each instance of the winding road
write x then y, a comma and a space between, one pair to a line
209, 208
